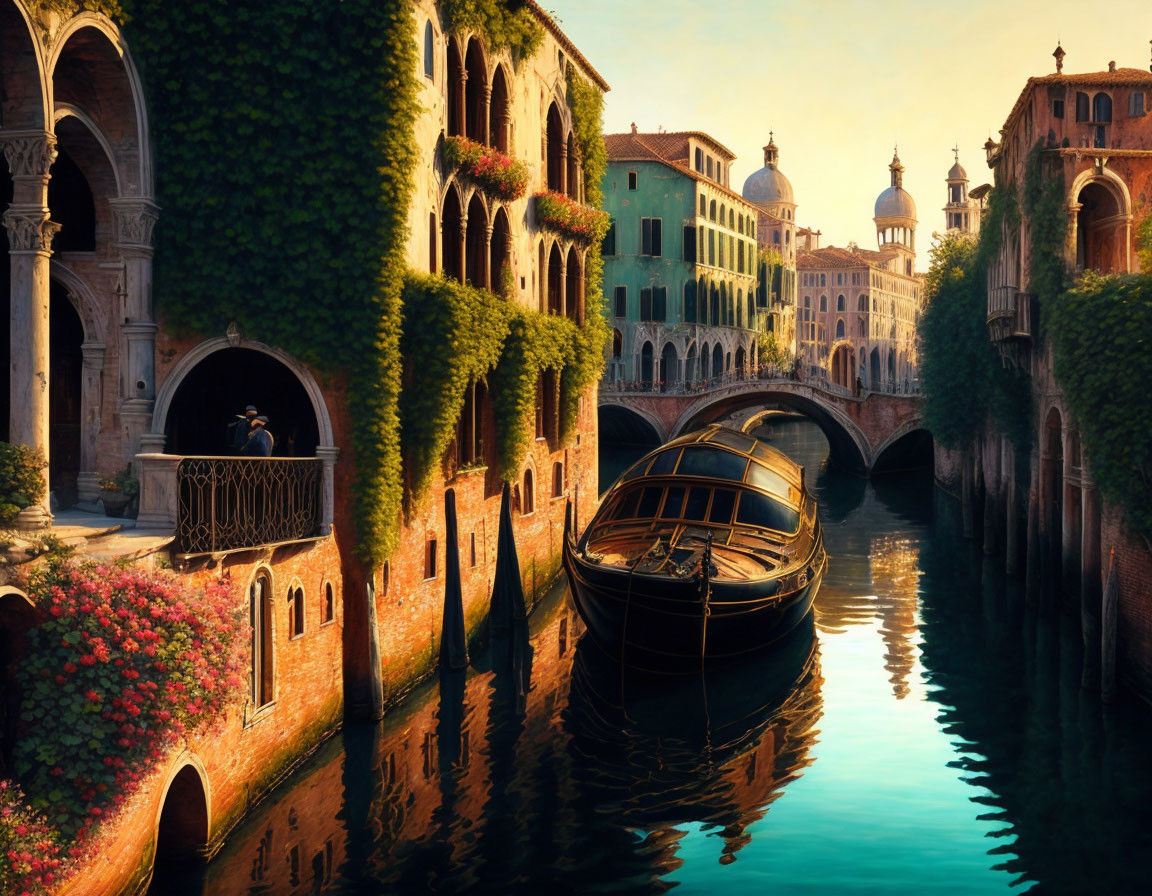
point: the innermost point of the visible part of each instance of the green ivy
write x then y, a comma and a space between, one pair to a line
1103, 356
21, 479
1046, 212
586, 103
284, 158
505, 24
453, 335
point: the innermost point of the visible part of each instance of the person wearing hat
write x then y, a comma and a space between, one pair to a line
240, 428
259, 442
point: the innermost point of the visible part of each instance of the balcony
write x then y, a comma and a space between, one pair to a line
219, 505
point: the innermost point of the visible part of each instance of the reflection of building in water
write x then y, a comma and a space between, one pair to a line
471, 789
895, 576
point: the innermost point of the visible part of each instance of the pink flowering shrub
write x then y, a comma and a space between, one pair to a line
564, 215
32, 859
128, 661
488, 168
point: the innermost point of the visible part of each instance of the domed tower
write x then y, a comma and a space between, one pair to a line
769, 190
895, 218
957, 213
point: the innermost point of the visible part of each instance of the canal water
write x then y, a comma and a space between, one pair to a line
927, 732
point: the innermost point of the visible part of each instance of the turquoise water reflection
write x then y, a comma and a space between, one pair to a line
927, 734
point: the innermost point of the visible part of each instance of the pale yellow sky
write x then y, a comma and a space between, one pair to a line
840, 81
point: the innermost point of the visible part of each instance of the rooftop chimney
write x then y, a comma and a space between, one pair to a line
633, 127
1112, 65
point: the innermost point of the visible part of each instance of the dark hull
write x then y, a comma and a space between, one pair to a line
660, 624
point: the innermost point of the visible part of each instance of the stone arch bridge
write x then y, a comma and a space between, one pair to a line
863, 431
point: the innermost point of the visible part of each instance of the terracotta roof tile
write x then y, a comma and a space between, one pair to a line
1122, 77
835, 257
661, 148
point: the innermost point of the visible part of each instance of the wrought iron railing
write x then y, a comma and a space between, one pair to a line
228, 503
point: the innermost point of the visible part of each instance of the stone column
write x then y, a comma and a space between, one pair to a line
580, 300
159, 492
563, 169
464, 272
462, 102
91, 400
327, 455
485, 125
30, 231
563, 285
135, 219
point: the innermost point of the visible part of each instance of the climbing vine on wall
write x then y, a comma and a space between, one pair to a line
1100, 333
1046, 213
587, 105
453, 335
504, 24
284, 154
67, 8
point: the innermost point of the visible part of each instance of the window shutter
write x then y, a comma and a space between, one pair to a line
608, 247
690, 243
660, 303
645, 236
657, 225
645, 304
1082, 107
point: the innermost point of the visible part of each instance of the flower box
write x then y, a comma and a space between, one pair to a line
489, 169
564, 215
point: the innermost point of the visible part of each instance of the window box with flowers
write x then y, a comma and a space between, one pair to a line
493, 172
565, 216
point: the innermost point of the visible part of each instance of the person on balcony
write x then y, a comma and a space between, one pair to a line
260, 441
240, 428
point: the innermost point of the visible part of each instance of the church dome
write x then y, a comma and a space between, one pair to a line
895, 202
957, 172
768, 184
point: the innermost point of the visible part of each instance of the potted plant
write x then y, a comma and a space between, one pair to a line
118, 491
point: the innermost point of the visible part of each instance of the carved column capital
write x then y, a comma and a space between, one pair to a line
29, 154
135, 219
30, 230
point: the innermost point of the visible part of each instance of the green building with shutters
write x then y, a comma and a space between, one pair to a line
680, 264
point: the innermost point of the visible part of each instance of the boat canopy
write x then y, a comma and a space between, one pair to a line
719, 453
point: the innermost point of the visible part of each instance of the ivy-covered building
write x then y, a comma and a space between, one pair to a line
373, 222
680, 263
1068, 306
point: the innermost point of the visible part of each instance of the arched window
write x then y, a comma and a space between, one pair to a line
823, 280
263, 657
862, 303
528, 496
731, 219
703, 202
429, 51
721, 222
617, 345
646, 363
557, 479
295, 612
329, 609
700, 168
840, 328
430, 558
712, 210
840, 305
823, 303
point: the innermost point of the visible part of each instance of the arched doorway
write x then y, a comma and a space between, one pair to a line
66, 366
181, 833
690, 365
1101, 244
500, 256
500, 119
450, 230
668, 360
874, 368
554, 136
555, 281
843, 365
717, 362
891, 366
646, 364
476, 85
573, 291
741, 362
617, 355
218, 389
476, 248
455, 90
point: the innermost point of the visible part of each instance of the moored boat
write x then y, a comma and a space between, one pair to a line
708, 548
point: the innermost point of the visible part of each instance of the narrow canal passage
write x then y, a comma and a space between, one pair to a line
928, 734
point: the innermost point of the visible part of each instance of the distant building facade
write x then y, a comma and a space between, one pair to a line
857, 309
771, 192
680, 262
